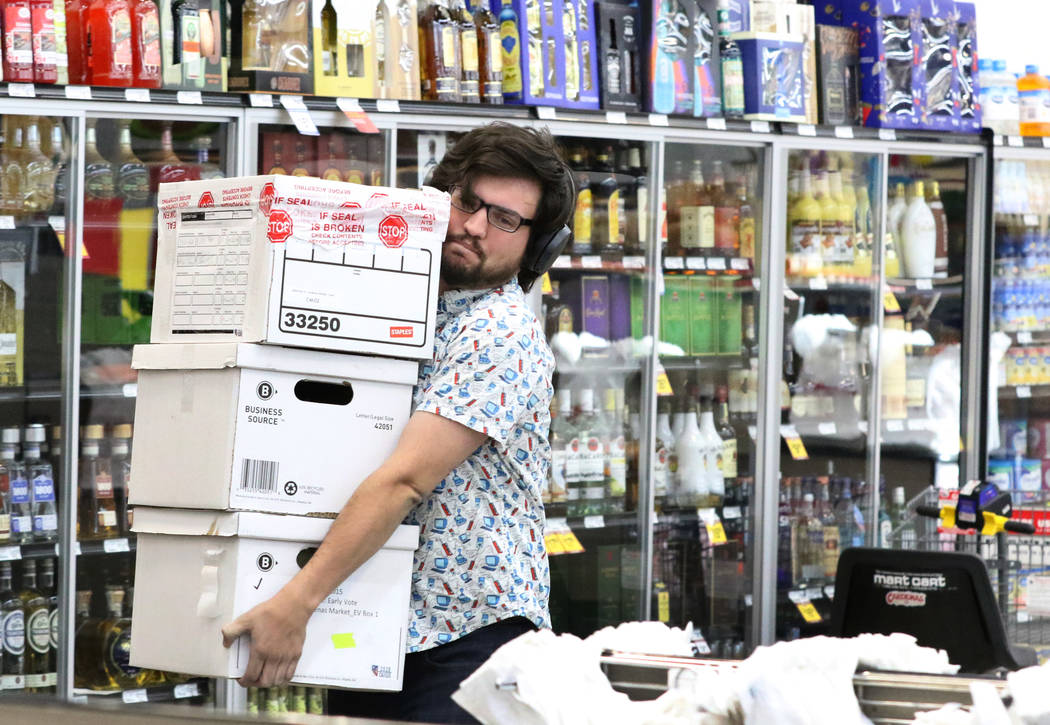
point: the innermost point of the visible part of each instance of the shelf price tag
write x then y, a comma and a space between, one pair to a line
716, 263
260, 100
615, 117
887, 134
889, 302
553, 536
562, 262
1024, 337
818, 283
546, 113
917, 424
1015, 141
805, 607
21, 90
300, 115
7, 222
716, 533
545, 285
843, 132
10, 553
674, 263
114, 546
663, 383
591, 261
794, 442
760, 127
924, 284
189, 98
895, 426
827, 429
388, 105
186, 689
1023, 391
138, 95
740, 264
133, 696
1046, 142
78, 93
698, 263
570, 542
351, 108
716, 124
658, 119
634, 262
594, 522
807, 129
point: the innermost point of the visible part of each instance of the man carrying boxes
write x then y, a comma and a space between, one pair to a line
469, 464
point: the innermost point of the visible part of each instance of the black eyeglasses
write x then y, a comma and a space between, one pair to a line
500, 217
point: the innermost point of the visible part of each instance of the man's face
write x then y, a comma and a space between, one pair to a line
477, 255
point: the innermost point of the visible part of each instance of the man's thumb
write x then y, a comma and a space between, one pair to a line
233, 630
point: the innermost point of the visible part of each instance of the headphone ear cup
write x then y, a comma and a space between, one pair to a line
546, 249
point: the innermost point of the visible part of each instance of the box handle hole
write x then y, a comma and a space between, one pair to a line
316, 391
305, 555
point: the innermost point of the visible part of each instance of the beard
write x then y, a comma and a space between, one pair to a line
460, 273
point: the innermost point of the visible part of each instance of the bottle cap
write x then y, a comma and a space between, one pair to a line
122, 431
35, 433
95, 431
984, 64
11, 435
1032, 70
998, 65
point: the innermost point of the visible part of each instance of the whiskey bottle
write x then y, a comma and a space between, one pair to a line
120, 466
109, 43
583, 28
490, 54
132, 177
206, 168
300, 160
12, 633
145, 46
640, 238
98, 174
21, 497
97, 508
39, 173
440, 41
60, 164
582, 220
87, 660
170, 167
329, 40
37, 630
186, 22
278, 161
41, 484
12, 179
332, 171
468, 52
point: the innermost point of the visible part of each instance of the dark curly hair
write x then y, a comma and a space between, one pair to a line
505, 150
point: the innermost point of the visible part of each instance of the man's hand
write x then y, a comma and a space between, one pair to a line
277, 628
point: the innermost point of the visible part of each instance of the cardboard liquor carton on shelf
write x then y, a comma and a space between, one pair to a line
344, 47
807, 28
668, 62
674, 313
193, 45
620, 44
964, 41
837, 77
774, 17
939, 73
299, 261
588, 298
267, 426
828, 12
774, 82
270, 47
198, 570
891, 76
703, 315
397, 76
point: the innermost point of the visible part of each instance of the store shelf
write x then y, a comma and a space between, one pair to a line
116, 545
918, 286
195, 688
721, 361
47, 549
630, 264
1022, 392
717, 265
599, 365
1029, 337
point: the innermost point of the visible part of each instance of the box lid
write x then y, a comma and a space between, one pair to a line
218, 355
251, 525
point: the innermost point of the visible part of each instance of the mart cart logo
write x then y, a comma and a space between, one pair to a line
906, 599
279, 227
266, 197
206, 200
393, 231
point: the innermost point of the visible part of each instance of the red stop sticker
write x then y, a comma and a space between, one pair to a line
280, 227
266, 197
206, 200
393, 231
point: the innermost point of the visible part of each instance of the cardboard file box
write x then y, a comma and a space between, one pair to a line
301, 262
198, 570
261, 428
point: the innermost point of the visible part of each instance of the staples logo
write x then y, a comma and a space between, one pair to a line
906, 599
396, 332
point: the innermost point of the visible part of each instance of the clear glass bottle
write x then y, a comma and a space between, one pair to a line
97, 510
560, 440
41, 483
132, 177
693, 485
592, 455
120, 467
21, 493
12, 633
712, 448
329, 40
99, 180
39, 172
615, 445
206, 168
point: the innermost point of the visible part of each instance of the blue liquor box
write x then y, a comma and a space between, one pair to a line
965, 44
774, 81
556, 48
940, 77
680, 69
892, 76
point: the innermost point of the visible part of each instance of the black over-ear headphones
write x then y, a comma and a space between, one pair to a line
543, 249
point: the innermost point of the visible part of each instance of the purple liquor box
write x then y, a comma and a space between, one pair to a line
774, 83
588, 297
891, 72
828, 12
968, 84
940, 77
619, 307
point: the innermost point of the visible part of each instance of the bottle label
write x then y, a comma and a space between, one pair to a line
511, 57
558, 485
8, 344
747, 237
44, 47
38, 630
103, 485
614, 234
45, 523
5, 527
495, 59
643, 216
149, 42
831, 550
592, 460
120, 22
573, 469
13, 629
733, 86
468, 44
119, 654
43, 489
133, 182
98, 181
915, 393
805, 236
885, 529
107, 518
18, 35
19, 491
21, 525
618, 467
448, 47
190, 37
707, 227
727, 236
660, 471
582, 218
11, 682
1035, 106
729, 454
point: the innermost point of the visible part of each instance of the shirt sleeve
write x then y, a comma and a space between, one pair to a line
489, 379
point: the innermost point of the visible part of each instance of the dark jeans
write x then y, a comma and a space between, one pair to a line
430, 679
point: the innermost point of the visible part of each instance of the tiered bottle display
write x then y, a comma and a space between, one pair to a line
336, 155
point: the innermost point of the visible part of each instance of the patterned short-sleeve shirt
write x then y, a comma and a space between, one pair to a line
482, 556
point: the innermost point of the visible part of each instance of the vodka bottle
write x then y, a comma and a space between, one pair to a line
42, 485
712, 447
21, 496
573, 452
664, 464
592, 456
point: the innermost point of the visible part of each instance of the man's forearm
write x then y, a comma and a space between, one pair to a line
366, 522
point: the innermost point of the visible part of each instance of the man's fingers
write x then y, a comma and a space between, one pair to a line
289, 671
270, 672
253, 670
233, 630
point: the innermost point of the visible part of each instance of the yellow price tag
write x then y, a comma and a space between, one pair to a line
571, 543
663, 384
889, 302
716, 533
547, 289
663, 606
808, 611
554, 544
797, 448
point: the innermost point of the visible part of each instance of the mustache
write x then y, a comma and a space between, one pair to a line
467, 239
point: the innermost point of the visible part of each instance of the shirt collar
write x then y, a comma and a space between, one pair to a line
455, 300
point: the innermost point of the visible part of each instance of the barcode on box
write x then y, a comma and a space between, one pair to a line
258, 475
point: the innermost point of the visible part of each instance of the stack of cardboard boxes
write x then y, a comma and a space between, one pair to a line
253, 424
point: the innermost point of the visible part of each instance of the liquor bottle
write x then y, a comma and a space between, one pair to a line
330, 40
5, 512
605, 195
638, 241
846, 518
940, 260
186, 25
842, 230
12, 633
48, 589
561, 437
510, 52
692, 485
469, 78
116, 644
206, 168
745, 222
833, 542
120, 467
713, 449
97, 510
333, 171
534, 35
300, 159
380, 41
918, 236
885, 521
665, 465
490, 54
904, 536
573, 456
55, 451
12, 178
18, 41
615, 445
42, 485
558, 316
109, 43
810, 539
439, 35
582, 226
592, 456
571, 50
87, 659
278, 165
728, 435
894, 215
355, 170
675, 187
145, 46
628, 200
804, 219
114, 676
732, 66
697, 215
132, 176
60, 167
37, 629
829, 224
170, 168
38, 172
632, 425
727, 215
45, 60
21, 495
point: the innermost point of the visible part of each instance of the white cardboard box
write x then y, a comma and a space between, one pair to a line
299, 261
262, 428
198, 570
